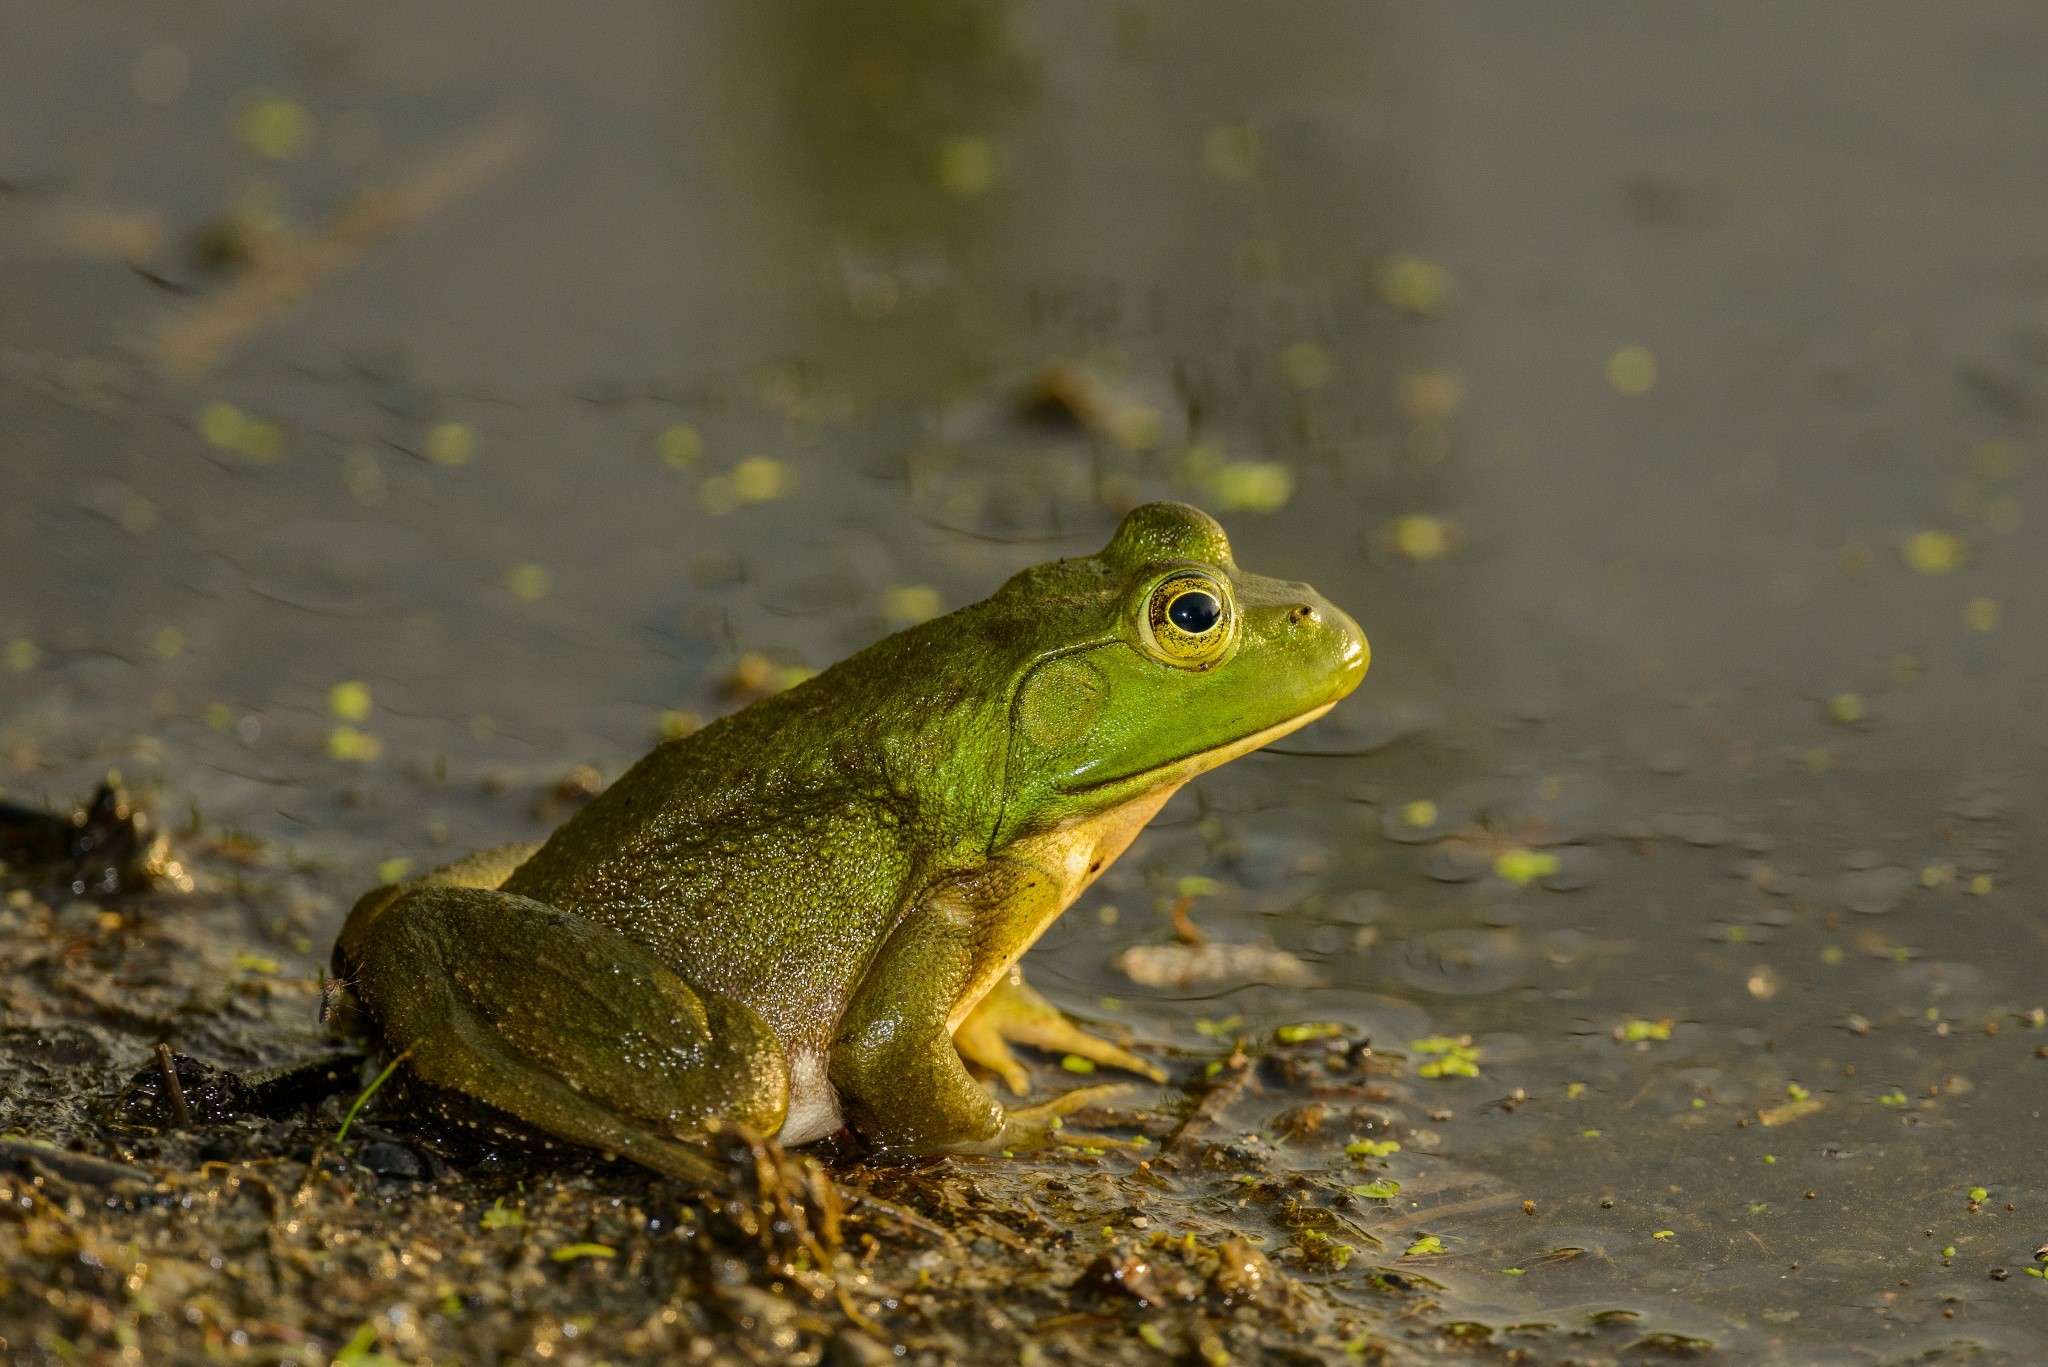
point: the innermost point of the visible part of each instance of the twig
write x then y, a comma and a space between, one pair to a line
174, 1089
191, 346
855, 1198
1213, 1104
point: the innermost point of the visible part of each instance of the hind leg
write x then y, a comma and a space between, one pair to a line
560, 1022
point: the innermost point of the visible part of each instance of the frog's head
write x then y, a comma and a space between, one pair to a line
1155, 660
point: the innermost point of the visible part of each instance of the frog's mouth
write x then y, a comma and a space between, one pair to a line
1179, 771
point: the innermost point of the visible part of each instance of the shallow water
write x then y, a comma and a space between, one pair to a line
1686, 326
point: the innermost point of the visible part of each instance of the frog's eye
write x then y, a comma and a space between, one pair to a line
1188, 620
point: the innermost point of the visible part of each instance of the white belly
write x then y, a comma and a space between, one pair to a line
813, 1104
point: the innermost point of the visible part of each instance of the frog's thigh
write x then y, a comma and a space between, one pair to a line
1013, 1012
484, 869
893, 1063
564, 1023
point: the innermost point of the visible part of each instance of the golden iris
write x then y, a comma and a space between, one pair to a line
1188, 620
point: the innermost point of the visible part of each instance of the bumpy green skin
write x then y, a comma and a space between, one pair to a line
816, 884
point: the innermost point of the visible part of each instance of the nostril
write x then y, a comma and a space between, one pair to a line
1303, 615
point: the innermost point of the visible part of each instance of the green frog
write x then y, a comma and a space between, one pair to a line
809, 914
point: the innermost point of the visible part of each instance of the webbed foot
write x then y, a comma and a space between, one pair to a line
1028, 1128
1013, 1013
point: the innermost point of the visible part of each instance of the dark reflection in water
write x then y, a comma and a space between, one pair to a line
1661, 388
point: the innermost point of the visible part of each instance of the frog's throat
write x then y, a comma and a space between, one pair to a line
1074, 853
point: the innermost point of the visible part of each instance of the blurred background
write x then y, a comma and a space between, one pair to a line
409, 415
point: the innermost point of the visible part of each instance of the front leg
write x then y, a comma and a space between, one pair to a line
893, 1063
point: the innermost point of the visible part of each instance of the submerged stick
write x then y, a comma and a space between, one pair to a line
174, 1089
189, 347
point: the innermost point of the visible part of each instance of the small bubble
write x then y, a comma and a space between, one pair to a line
1982, 614
1847, 708
22, 655
169, 643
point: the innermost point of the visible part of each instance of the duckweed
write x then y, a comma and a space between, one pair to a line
1934, 552
349, 701
451, 443
1449, 1057
1631, 371
1525, 866
502, 1216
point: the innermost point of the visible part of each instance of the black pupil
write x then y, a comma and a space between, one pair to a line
1194, 612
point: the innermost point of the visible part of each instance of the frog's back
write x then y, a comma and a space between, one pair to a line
765, 855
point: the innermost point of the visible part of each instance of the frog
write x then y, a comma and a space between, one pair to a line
808, 916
